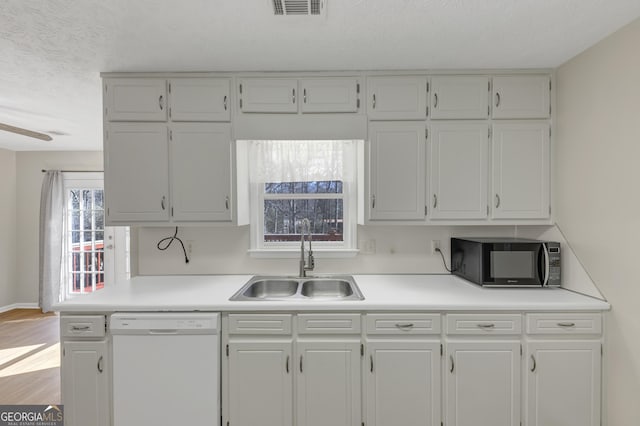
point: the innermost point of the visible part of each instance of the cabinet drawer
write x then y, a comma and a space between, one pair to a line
82, 326
484, 324
329, 323
259, 324
578, 323
403, 324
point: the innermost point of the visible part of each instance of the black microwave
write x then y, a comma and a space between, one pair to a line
506, 262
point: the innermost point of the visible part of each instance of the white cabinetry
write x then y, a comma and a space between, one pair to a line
397, 171
331, 94
135, 99
270, 95
199, 99
563, 369
520, 161
136, 178
521, 96
201, 172
397, 98
85, 371
459, 97
402, 370
458, 172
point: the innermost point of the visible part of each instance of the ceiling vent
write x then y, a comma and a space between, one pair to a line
299, 7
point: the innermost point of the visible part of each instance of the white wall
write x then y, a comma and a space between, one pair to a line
29, 182
7, 227
598, 196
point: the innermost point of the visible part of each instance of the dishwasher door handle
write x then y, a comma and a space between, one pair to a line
163, 331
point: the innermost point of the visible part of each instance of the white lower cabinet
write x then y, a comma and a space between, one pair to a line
85, 383
261, 389
402, 383
483, 383
328, 383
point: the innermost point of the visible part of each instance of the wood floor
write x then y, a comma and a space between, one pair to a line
29, 357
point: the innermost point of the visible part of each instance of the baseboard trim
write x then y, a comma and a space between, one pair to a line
19, 306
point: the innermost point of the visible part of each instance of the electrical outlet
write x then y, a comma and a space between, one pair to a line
435, 245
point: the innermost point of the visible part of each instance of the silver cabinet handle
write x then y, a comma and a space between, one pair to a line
161, 102
301, 363
371, 360
224, 102
226, 202
533, 367
435, 201
497, 201
405, 326
287, 364
566, 324
100, 361
79, 327
304, 95
373, 201
435, 100
162, 202
293, 96
374, 101
452, 364
497, 99
486, 326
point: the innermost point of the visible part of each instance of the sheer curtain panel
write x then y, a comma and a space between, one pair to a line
52, 203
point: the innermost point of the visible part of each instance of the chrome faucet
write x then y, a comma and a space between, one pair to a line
310, 263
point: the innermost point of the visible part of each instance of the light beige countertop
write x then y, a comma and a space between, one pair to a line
429, 292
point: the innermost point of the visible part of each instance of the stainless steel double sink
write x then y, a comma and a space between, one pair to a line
336, 288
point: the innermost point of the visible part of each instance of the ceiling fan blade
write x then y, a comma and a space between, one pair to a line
25, 132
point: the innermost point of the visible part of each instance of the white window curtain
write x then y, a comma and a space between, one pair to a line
52, 204
302, 161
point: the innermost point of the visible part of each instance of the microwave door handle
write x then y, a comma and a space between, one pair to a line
546, 265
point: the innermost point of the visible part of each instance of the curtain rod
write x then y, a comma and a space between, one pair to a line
76, 171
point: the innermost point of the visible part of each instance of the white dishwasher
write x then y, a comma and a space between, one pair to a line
166, 369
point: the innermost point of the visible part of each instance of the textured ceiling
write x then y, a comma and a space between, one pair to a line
54, 50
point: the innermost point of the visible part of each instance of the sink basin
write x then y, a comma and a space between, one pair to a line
327, 288
338, 288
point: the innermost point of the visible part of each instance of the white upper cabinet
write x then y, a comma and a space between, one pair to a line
331, 94
397, 171
459, 97
520, 161
521, 96
397, 98
199, 99
268, 95
458, 172
135, 99
136, 178
200, 172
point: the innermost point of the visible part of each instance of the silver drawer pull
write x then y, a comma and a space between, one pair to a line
566, 324
453, 365
405, 326
487, 325
80, 327
100, 360
534, 366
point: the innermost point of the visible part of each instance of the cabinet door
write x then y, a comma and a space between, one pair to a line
521, 96
397, 171
397, 98
279, 95
136, 176
328, 383
458, 172
521, 170
260, 383
136, 99
483, 383
85, 383
563, 380
199, 99
201, 172
459, 97
330, 94
402, 383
